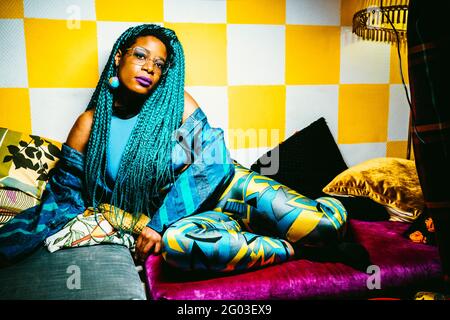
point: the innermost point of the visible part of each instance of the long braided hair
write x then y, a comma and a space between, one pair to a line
146, 162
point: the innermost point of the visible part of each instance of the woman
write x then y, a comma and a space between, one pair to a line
147, 148
141, 87
127, 134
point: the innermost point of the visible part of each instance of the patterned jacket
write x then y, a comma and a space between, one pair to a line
195, 189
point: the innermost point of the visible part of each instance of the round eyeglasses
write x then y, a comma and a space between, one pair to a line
141, 56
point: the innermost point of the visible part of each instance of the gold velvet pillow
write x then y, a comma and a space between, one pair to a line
392, 182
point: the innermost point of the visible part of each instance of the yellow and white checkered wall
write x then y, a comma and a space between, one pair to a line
259, 68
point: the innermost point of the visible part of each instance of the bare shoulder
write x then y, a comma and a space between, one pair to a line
190, 105
80, 132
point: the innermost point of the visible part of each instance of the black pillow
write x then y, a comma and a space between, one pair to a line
362, 208
308, 161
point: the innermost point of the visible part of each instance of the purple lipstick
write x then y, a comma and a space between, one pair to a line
143, 81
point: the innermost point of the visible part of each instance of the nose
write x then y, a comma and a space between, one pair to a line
148, 66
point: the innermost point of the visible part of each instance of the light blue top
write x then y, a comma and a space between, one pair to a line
118, 138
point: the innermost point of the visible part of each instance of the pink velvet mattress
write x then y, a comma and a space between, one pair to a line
401, 264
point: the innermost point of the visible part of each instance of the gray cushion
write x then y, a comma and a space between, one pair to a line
86, 273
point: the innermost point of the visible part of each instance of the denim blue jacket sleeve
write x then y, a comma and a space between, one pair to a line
210, 169
62, 200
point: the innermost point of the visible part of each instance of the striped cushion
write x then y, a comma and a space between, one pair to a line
12, 202
6, 216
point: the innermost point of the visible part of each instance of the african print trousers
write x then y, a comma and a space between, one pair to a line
253, 225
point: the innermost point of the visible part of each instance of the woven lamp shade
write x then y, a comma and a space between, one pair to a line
375, 20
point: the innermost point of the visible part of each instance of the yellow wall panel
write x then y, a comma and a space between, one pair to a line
256, 116
11, 9
61, 57
256, 11
312, 54
348, 9
130, 10
363, 113
395, 76
397, 149
15, 109
205, 48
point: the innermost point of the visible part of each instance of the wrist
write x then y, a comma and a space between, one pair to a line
141, 224
152, 225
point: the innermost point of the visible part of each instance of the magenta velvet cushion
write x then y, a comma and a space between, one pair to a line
402, 263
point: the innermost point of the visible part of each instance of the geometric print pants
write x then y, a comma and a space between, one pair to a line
257, 222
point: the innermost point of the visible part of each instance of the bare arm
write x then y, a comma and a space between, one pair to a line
190, 105
79, 134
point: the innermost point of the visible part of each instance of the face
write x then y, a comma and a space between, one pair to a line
140, 67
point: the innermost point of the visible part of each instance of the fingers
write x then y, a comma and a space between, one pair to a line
137, 247
148, 241
139, 243
149, 248
146, 247
152, 247
142, 243
157, 248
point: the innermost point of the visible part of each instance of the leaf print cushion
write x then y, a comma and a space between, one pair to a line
27, 161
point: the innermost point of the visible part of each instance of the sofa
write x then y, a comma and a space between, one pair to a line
399, 267
108, 272
101, 272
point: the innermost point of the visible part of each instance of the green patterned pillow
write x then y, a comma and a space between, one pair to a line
26, 161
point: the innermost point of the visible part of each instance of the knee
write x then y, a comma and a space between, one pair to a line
335, 213
175, 246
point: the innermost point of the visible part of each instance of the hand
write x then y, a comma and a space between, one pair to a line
149, 241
